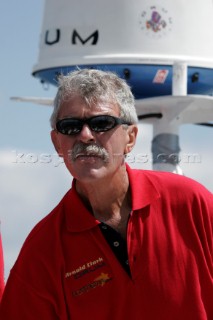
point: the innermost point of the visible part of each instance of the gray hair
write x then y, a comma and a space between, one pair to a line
95, 86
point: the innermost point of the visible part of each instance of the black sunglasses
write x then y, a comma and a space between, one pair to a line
102, 123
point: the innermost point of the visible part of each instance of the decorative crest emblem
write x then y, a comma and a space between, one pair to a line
155, 21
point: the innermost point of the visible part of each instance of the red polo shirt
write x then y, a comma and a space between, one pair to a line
1, 269
67, 270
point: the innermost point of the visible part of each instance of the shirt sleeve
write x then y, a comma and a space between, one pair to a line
22, 302
205, 224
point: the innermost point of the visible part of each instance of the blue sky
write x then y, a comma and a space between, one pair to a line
32, 180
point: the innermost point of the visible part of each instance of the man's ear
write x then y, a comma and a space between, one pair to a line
56, 142
132, 135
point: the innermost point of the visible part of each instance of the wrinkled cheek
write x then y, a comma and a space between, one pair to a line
117, 158
67, 155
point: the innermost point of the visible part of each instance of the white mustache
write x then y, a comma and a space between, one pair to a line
82, 149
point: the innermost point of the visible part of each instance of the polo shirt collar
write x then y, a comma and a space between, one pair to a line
79, 218
143, 191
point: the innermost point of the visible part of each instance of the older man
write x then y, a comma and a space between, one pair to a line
122, 244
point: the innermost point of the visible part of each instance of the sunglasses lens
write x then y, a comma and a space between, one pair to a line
102, 123
69, 126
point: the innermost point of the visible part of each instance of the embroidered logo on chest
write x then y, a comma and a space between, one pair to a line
100, 281
86, 268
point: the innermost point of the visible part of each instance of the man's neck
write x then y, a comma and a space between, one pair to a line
108, 199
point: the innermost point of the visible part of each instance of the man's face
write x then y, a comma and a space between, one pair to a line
114, 144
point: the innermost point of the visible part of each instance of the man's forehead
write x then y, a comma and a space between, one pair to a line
77, 104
